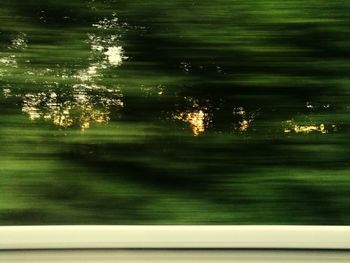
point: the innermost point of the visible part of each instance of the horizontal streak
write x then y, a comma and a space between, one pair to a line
188, 256
187, 237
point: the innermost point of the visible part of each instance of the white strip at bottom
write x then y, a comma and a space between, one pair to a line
188, 256
160, 237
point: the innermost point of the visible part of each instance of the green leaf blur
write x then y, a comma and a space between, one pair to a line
174, 112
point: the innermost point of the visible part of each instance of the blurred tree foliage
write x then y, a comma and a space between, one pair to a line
264, 85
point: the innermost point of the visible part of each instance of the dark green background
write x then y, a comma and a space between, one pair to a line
265, 62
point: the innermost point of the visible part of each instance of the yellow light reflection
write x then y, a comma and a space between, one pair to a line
311, 128
89, 104
197, 117
242, 119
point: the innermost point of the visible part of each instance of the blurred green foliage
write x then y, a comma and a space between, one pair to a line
174, 112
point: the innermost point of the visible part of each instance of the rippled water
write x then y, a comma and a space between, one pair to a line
198, 112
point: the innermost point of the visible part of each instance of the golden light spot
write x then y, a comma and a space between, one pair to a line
243, 125
197, 116
242, 119
60, 120
312, 128
89, 104
196, 119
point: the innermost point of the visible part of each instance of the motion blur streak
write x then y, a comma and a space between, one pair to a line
174, 112
136, 256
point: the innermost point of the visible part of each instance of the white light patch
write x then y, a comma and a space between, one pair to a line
115, 55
